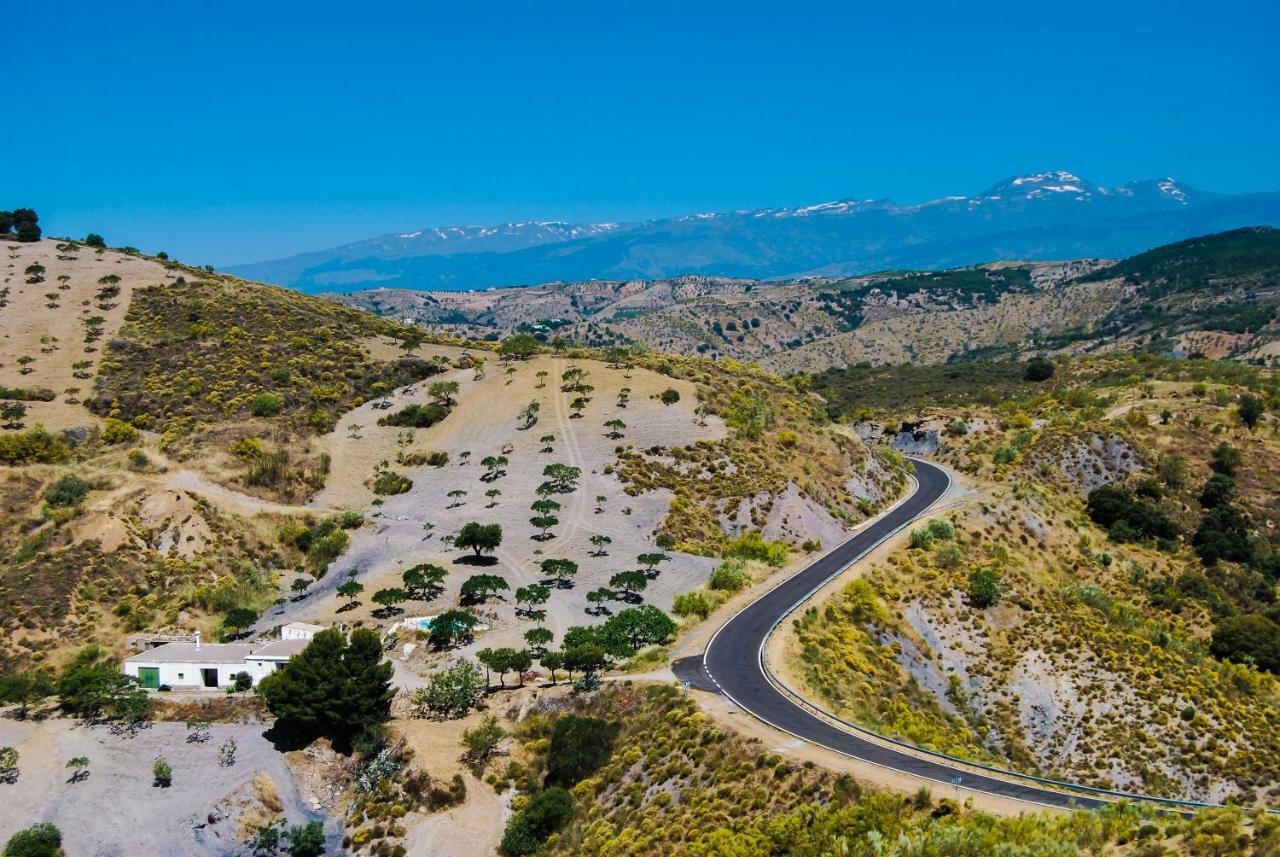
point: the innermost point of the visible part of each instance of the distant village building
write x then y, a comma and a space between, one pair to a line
194, 665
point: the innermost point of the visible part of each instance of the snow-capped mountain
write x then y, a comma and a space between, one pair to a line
1043, 215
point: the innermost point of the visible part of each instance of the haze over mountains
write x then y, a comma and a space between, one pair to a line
1046, 215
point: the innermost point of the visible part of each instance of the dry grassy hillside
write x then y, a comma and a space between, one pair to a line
229, 439
1216, 295
127, 383
647, 773
1021, 630
681, 459
786, 326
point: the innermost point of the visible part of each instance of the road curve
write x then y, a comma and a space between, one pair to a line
733, 661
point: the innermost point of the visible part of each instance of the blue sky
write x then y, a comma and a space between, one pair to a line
227, 132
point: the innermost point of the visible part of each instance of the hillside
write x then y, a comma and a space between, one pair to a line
657, 776
1221, 303
128, 382
1040, 216
236, 455
216, 425
1026, 627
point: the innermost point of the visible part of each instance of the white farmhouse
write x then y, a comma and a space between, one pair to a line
194, 665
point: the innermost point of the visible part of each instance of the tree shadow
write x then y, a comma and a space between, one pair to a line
285, 736
472, 559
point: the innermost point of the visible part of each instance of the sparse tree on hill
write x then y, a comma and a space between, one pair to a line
389, 598
79, 768
26, 223
543, 523
630, 582
452, 628
442, 393
600, 598
452, 692
481, 742
1251, 409
533, 595
563, 477
480, 538
538, 638
480, 587
560, 570
651, 561
239, 618
519, 346
552, 661
529, 415
424, 581
350, 590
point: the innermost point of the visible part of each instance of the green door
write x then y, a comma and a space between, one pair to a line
149, 677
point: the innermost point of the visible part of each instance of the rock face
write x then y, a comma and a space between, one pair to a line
917, 439
1083, 463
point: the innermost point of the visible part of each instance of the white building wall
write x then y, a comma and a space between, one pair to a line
260, 669
187, 675
293, 632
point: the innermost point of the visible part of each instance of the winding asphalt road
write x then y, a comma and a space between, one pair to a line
733, 661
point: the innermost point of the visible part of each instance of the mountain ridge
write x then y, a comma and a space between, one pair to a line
1053, 214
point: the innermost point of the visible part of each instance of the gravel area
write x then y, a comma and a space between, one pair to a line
117, 811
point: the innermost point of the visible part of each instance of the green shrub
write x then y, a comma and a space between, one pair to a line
921, 539
34, 444
40, 840
1038, 369
730, 576
116, 431
698, 603
416, 416
1248, 639
67, 491
389, 482
940, 529
753, 545
985, 587
547, 812
266, 405
579, 746
1127, 518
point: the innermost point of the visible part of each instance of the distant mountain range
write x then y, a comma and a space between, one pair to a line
1042, 216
